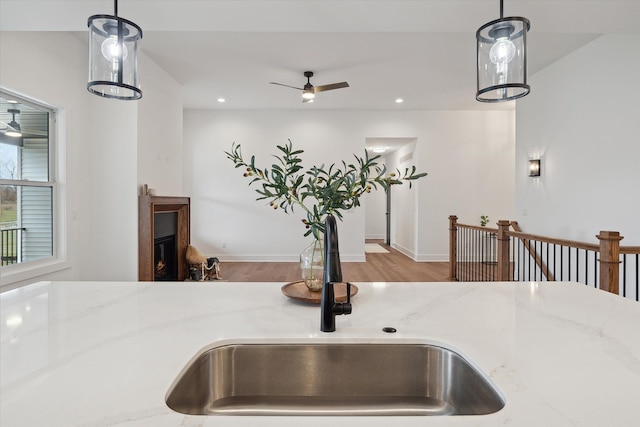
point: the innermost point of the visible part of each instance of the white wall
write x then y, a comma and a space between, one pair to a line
582, 119
224, 209
404, 203
469, 157
470, 160
51, 67
375, 206
160, 131
110, 251
98, 150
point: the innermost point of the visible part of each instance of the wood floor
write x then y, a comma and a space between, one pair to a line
379, 267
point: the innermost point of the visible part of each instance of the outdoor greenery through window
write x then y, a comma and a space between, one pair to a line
26, 183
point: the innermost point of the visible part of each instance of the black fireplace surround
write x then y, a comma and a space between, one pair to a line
165, 251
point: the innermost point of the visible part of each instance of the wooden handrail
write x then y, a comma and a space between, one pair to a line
562, 242
477, 227
608, 250
525, 241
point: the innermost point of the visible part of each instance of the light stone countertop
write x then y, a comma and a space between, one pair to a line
105, 353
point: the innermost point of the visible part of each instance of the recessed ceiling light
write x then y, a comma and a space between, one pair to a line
399, 101
378, 149
12, 101
221, 100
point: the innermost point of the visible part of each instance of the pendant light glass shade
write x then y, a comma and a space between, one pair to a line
113, 57
502, 59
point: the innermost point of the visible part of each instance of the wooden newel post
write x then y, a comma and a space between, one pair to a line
610, 261
453, 242
503, 251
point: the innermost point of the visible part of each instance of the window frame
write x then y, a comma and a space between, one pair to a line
23, 273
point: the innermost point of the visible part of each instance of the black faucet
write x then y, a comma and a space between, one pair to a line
329, 308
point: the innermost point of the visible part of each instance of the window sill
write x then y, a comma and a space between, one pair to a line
30, 271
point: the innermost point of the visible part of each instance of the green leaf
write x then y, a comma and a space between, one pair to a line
331, 190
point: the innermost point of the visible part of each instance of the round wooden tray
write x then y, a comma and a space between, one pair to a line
300, 292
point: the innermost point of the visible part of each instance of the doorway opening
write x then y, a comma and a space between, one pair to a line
384, 211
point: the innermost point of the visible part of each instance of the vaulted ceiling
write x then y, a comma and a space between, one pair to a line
420, 50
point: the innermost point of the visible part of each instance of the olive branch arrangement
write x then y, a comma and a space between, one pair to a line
334, 189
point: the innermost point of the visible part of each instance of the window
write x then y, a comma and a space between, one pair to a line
27, 184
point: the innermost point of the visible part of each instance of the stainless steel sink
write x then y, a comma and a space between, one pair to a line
332, 379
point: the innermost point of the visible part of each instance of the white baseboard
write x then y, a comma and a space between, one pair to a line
433, 258
258, 258
343, 257
421, 257
375, 236
405, 251
281, 258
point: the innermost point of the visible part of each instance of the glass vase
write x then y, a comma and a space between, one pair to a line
312, 265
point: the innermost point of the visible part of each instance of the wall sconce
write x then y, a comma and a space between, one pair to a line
113, 56
534, 167
502, 59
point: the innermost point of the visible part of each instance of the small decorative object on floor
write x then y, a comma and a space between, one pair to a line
202, 268
334, 189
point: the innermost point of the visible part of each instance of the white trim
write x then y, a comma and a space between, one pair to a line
375, 236
404, 251
30, 271
421, 257
433, 258
281, 258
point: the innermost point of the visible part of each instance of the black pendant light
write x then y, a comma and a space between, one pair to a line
502, 59
113, 56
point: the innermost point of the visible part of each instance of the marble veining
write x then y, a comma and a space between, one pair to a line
105, 354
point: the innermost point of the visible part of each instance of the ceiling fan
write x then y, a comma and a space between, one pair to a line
12, 128
309, 91
12, 133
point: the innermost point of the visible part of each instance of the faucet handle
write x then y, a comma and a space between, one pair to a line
346, 306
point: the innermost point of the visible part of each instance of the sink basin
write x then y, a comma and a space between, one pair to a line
332, 379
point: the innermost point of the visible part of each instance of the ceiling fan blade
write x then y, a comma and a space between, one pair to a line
26, 133
18, 141
332, 86
31, 133
280, 84
4, 126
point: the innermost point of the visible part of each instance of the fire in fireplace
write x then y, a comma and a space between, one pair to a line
166, 267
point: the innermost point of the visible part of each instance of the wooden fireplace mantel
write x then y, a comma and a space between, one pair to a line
148, 206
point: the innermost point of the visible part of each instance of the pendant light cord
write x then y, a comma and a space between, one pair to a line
501, 10
115, 8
